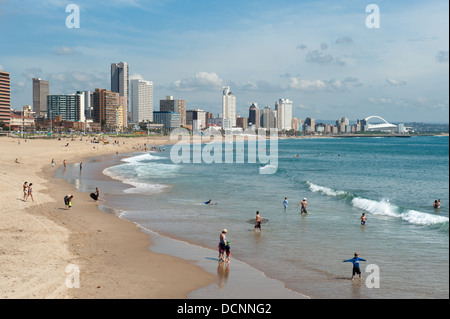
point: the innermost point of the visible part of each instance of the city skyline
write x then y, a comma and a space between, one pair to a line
318, 54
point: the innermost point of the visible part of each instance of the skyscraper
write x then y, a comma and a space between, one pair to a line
120, 84
229, 106
310, 124
41, 89
196, 118
141, 100
176, 106
105, 104
268, 119
284, 114
5, 97
254, 116
69, 106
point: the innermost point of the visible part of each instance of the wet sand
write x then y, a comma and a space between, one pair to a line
41, 239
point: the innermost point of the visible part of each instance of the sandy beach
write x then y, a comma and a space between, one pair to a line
44, 245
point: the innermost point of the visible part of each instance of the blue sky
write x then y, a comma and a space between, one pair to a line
319, 54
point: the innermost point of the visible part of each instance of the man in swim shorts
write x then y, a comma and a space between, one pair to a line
258, 221
304, 205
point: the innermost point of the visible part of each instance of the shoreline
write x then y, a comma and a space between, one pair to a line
112, 254
205, 257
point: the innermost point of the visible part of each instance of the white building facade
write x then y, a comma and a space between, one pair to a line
141, 100
284, 114
229, 106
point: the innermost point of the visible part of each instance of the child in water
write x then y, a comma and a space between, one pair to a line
355, 260
228, 252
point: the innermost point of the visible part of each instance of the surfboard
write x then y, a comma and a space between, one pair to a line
93, 196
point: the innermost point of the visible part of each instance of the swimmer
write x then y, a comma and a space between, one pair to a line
363, 219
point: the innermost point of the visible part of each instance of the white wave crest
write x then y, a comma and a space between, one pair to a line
325, 190
385, 208
142, 157
419, 218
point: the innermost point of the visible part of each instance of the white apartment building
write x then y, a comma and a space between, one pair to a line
229, 106
141, 100
284, 114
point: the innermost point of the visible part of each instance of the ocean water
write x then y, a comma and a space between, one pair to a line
394, 180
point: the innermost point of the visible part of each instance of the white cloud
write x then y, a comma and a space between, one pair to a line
317, 57
32, 73
136, 76
201, 80
63, 50
332, 85
395, 82
70, 82
442, 56
307, 85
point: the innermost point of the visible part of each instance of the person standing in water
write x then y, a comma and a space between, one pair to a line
304, 205
285, 203
363, 218
355, 260
222, 244
258, 221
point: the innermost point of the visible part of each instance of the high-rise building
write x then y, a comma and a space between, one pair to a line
196, 118
69, 106
170, 119
5, 97
242, 122
120, 75
141, 100
268, 118
88, 111
254, 116
229, 106
176, 106
105, 104
41, 89
284, 114
310, 124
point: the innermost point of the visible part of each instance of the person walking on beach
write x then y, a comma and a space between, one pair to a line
304, 205
25, 191
285, 203
30, 192
222, 244
258, 221
363, 219
68, 201
53, 162
355, 260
